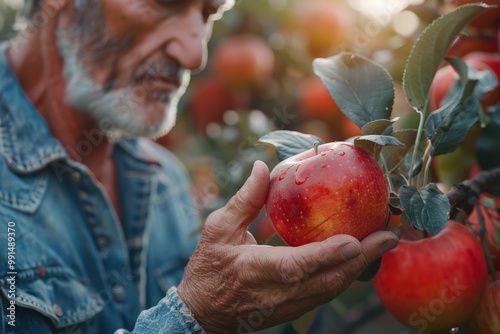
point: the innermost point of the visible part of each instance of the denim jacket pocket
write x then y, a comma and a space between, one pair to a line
54, 292
22, 192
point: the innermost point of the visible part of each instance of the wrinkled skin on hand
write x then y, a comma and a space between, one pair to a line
233, 285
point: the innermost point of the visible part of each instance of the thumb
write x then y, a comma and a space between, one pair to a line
223, 224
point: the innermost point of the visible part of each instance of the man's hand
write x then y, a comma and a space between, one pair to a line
233, 285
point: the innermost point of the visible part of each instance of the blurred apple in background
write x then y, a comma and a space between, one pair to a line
209, 99
486, 318
243, 61
492, 224
324, 24
315, 101
466, 44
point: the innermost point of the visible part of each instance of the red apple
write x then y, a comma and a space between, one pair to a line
339, 190
243, 61
435, 283
486, 318
491, 218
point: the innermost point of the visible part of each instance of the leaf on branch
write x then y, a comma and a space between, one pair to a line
486, 81
363, 89
427, 207
373, 144
448, 126
430, 49
394, 157
289, 143
378, 127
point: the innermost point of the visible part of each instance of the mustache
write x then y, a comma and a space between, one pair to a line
162, 68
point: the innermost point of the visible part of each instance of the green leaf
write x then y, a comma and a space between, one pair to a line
448, 137
289, 143
427, 207
448, 126
430, 49
373, 143
393, 157
362, 89
378, 126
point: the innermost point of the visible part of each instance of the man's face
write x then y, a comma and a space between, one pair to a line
127, 62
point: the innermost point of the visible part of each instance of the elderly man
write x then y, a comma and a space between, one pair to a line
98, 228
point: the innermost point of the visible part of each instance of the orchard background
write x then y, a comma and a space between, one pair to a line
259, 78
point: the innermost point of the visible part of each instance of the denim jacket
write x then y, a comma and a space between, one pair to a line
67, 264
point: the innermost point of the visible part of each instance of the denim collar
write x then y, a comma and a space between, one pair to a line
25, 139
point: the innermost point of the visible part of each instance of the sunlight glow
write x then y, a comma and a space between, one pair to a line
405, 23
379, 8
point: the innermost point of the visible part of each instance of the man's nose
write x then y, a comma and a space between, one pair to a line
189, 46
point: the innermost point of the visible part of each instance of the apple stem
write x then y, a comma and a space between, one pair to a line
484, 243
417, 141
316, 145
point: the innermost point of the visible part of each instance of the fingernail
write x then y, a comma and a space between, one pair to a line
252, 174
388, 245
350, 251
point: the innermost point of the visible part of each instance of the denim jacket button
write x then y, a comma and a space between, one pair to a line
119, 293
76, 176
57, 310
102, 243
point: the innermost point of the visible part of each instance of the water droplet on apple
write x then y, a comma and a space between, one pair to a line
282, 176
298, 166
323, 154
323, 165
454, 330
341, 153
301, 179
